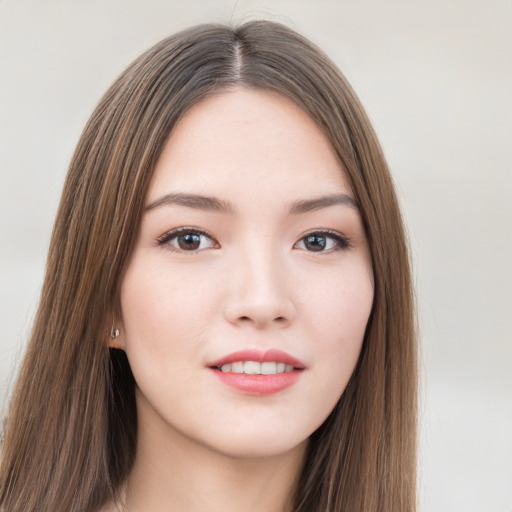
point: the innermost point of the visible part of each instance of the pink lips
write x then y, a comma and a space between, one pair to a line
261, 357
259, 385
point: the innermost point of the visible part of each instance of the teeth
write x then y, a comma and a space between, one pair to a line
252, 367
237, 367
268, 368
256, 368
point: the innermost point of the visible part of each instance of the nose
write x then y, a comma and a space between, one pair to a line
259, 292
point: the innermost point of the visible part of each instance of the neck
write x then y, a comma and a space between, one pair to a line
172, 472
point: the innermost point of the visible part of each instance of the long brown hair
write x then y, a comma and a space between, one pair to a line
72, 427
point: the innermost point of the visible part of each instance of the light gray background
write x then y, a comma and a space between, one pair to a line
436, 79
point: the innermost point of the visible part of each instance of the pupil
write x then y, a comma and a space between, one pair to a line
315, 243
189, 241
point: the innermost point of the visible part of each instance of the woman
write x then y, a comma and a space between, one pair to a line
227, 317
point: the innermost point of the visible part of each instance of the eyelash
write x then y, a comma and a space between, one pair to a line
341, 241
167, 237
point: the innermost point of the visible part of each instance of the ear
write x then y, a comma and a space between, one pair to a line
115, 333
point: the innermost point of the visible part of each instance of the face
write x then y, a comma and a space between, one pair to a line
246, 299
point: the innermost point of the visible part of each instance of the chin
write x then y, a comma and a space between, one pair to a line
261, 447
255, 440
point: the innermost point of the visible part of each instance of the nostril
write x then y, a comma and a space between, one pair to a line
279, 319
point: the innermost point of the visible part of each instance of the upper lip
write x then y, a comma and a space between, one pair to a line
271, 355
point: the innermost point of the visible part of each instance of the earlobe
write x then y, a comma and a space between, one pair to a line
114, 335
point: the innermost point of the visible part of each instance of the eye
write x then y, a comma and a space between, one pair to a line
323, 241
187, 240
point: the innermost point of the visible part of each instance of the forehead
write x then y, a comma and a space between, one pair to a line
246, 138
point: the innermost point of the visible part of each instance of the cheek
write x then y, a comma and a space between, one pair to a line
337, 323
165, 310
339, 303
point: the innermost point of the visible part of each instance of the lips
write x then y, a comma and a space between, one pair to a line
258, 373
270, 356
256, 368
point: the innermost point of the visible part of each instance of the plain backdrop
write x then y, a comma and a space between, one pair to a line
436, 79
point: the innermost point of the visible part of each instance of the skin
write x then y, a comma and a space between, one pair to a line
254, 284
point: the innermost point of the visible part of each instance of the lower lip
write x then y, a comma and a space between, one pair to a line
259, 385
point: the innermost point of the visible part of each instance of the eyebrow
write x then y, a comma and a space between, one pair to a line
192, 201
311, 205
208, 203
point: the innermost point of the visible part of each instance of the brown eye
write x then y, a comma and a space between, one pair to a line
186, 240
189, 242
315, 243
323, 241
